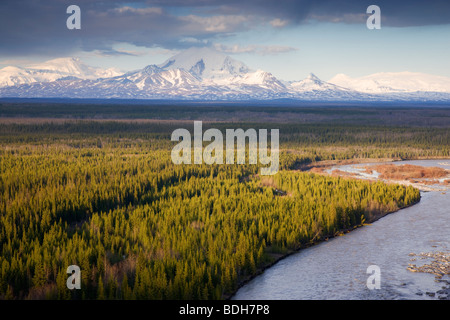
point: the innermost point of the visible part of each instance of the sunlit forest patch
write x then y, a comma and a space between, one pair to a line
105, 195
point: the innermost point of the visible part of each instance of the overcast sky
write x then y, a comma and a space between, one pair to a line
285, 37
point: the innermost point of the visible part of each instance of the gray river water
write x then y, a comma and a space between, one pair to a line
337, 269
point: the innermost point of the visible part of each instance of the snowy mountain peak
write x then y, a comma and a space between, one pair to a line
189, 58
52, 70
205, 63
313, 83
387, 82
313, 77
339, 77
151, 69
204, 73
67, 65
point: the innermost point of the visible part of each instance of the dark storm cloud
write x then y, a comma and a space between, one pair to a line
39, 27
395, 13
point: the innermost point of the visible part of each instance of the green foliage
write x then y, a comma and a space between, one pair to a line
104, 195
140, 227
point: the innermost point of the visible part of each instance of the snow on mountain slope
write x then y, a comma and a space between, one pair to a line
312, 88
153, 77
205, 63
258, 78
390, 82
11, 76
313, 83
53, 70
204, 68
75, 67
206, 74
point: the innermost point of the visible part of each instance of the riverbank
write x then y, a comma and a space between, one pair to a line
279, 257
422, 178
320, 168
327, 164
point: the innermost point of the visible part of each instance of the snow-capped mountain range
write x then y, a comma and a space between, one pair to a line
205, 74
57, 69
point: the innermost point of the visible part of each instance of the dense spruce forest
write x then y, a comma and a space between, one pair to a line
105, 195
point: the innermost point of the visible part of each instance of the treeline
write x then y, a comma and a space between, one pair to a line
140, 227
300, 143
397, 114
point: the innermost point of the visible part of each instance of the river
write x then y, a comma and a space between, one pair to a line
337, 269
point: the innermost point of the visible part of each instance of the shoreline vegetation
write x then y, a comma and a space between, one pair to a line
105, 195
389, 174
311, 244
320, 167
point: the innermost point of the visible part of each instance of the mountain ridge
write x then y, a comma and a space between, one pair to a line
53, 70
205, 74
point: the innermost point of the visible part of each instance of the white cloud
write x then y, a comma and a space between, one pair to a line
141, 11
221, 23
344, 18
257, 49
194, 41
278, 23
